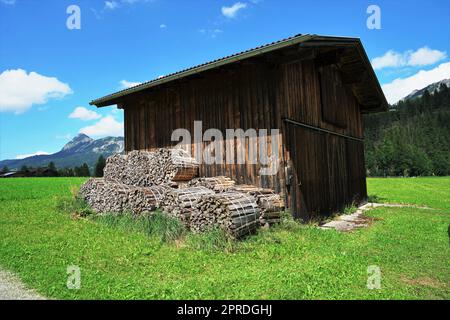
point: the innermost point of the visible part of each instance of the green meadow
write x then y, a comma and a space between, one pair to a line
123, 258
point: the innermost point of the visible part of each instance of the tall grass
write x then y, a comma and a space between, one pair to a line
74, 206
157, 224
212, 240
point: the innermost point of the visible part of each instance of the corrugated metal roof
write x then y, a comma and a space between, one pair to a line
298, 39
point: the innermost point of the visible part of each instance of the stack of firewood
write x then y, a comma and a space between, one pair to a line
181, 203
270, 203
112, 197
235, 212
217, 184
144, 169
142, 181
114, 170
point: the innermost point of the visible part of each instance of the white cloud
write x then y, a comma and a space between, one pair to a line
421, 57
111, 5
231, 12
10, 2
389, 59
38, 153
426, 56
401, 87
124, 84
19, 90
84, 114
107, 126
163, 26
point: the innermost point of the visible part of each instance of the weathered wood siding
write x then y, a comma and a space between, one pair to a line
328, 171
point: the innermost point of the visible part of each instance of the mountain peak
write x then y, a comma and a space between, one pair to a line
430, 88
82, 136
80, 139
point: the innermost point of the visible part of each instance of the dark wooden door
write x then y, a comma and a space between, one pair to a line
327, 171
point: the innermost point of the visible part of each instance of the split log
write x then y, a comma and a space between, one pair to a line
270, 203
145, 169
236, 213
181, 203
217, 184
112, 197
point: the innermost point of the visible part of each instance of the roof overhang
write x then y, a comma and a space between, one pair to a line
374, 101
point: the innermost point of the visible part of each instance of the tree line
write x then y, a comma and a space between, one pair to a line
412, 139
52, 171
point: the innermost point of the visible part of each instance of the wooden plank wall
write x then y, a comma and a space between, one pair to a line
260, 95
227, 99
328, 170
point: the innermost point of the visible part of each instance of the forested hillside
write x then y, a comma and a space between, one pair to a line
413, 139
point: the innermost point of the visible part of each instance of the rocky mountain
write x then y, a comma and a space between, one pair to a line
431, 88
79, 150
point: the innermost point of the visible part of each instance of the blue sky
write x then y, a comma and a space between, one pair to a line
48, 73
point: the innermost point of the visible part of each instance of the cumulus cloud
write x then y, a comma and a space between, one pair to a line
425, 56
20, 90
84, 114
38, 153
106, 126
231, 12
124, 84
421, 57
401, 87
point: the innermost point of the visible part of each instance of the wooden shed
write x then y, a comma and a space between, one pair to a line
313, 89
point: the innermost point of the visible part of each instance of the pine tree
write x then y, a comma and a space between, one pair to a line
85, 172
101, 163
51, 166
412, 140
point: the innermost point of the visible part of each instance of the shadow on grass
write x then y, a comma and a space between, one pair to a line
375, 199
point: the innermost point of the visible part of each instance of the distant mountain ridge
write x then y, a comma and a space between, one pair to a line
81, 149
430, 88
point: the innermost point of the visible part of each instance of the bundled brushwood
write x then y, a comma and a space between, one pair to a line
181, 166
112, 197
145, 169
217, 184
235, 212
271, 208
181, 203
270, 203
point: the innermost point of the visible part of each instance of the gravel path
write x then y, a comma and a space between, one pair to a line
11, 288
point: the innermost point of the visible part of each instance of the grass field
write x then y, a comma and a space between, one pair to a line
410, 245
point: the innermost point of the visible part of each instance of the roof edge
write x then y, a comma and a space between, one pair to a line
113, 98
107, 100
